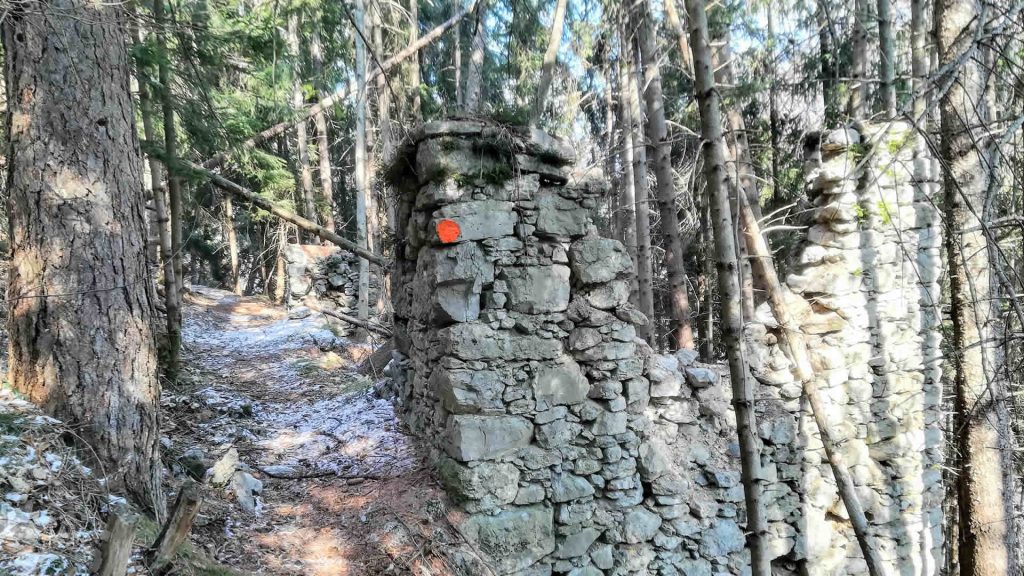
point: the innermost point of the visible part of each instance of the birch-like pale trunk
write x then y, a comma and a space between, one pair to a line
550, 57
728, 284
627, 193
856, 106
306, 199
362, 185
323, 144
474, 73
887, 58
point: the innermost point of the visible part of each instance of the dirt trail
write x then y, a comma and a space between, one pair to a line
284, 393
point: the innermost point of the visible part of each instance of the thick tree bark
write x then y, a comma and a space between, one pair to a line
81, 341
887, 59
981, 418
645, 267
362, 186
728, 284
550, 57
474, 75
657, 133
323, 144
173, 359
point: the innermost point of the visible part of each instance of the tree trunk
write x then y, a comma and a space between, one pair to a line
362, 186
857, 103
685, 54
278, 291
228, 216
550, 57
774, 123
657, 133
306, 200
982, 424
173, 193
887, 59
79, 295
827, 58
414, 68
457, 60
728, 284
474, 76
627, 193
644, 271
323, 144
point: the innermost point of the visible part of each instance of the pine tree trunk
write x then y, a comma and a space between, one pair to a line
887, 58
627, 192
228, 222
474, 75
173, 360
414, 68
982, 421
306, 193
279, 278
857, 103
645, 272
79, 295
827, 58
685, 54
657, 133
362, 186
457, 59
728, 284
323, 144
550, 57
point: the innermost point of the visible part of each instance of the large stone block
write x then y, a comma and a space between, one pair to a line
478, 220
596, 260
485, 437
473, 341
468, 391
560, 382
458, 263
489, 484
538, 289
512, 540
560, 217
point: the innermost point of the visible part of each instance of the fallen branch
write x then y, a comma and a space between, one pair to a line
793, 342
257, 200
308, 473
374, 364
372, 327
117, 545
344, 92
175, 532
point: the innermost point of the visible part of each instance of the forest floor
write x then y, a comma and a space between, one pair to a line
344, 491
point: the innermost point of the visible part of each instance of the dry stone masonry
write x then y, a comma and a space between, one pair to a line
572, 449
865, 287
325, 277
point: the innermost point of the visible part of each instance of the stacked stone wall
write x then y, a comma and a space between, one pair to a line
327, 277
865, 287
572, 449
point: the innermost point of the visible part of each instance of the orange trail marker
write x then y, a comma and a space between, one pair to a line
448, 231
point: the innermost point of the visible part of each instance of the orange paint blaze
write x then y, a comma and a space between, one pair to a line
448, 231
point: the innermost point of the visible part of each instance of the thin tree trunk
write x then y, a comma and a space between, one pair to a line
173, 194
414, 68
474, 76
306, 201
657, 133
79, 294
857, 103
827, 58
981, 419
457, 61
172, 311
362, 186
228, 216
550, 57
774, 123
385, 142
645, 273
707, 332
728, 285
685, 54
887, 59
627, 193
323, 144
280, 280
341, 94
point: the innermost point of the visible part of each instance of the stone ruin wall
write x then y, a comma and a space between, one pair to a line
571, 448
325, 276
866, 289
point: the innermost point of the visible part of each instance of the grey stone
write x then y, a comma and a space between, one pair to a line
602, 556
457, 263
701, 377
221, 472
558, 433
511, 540
558, 216
560, 382
609, 423
538, 289
640, 525
247, 490
492, 484
694, 567
576, 545
468, 391
529, 494
607, 351
485, 437
565, 487
608, 296
456, 302
479, 220
723, 538
686, 357
652, 461
583, 338
474, 341
597, 260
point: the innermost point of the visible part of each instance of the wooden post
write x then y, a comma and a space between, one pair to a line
176, 530
117, 545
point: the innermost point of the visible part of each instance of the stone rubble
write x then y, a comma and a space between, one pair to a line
325, 277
